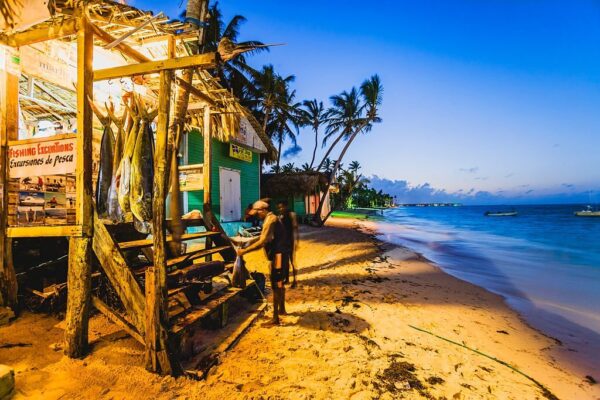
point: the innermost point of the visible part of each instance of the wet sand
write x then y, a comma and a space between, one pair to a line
350, 334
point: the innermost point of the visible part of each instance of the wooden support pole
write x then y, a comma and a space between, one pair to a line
207, 167
9, 127
79, 274
158, 357
207, 60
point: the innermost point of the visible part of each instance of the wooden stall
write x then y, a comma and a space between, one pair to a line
165, 289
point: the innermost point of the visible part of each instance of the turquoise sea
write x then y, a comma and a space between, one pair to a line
545, 262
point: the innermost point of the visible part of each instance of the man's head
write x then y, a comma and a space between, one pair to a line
260, 209
282, 206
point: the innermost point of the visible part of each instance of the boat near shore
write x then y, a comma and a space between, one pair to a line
500, 213
588, 212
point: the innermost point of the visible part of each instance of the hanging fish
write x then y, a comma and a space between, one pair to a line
123, 175
105, 172
114, 209
142, 174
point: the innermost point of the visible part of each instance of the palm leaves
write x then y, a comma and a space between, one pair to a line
313, 115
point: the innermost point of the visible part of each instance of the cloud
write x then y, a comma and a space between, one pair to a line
481, 178
509, 175
425, 193
568, 185
471, 170
292, 151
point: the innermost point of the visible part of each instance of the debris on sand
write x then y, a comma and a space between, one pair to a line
400, 376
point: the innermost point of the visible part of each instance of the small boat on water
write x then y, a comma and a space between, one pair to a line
588, 212
501, 213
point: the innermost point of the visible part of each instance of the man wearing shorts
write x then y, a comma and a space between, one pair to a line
273, 239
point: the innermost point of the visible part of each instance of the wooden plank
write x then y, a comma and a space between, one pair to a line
158, 357
204, 61
9, 122
191, 319
117, 319
138, 244
194, 255
119, 275
79, 276
57, 30
44, 231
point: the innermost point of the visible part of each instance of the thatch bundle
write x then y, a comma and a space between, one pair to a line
292, 183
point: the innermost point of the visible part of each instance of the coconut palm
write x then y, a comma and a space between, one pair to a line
286, 118
371, 92
269, 89
314, 115
234, 74
343, 117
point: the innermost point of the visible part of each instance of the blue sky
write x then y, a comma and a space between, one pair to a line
495, 97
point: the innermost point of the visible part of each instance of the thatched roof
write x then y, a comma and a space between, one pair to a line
292, 183
147, 34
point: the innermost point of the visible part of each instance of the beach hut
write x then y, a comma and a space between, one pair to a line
302, 191
236, 171
62, 63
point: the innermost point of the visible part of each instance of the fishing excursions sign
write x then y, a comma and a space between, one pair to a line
50, 157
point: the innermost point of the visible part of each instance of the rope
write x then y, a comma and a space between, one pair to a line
545, 391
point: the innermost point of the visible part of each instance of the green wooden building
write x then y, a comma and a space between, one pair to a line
235, 172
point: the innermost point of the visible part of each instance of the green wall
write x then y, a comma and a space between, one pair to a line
249, 175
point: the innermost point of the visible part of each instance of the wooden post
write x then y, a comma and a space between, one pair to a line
80, 269
9, 128
158, 357
207, 167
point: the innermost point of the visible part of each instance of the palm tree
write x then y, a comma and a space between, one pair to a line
286, 118
371, 92
9, 11
234, 74
342, 118
314, 115
268, 88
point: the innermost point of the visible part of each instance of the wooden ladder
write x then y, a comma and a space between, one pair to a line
124, 255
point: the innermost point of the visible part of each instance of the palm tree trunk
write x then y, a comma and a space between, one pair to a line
315, 149
335, 142
321, 222
279, 151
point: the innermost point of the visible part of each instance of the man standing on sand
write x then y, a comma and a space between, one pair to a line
273, 239
290, 223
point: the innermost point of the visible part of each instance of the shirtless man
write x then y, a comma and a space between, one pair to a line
274, 241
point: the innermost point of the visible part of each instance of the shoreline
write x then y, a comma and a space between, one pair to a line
572, 348
348, 335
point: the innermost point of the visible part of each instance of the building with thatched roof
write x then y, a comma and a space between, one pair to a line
302, 190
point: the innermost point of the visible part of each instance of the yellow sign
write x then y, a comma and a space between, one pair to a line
240, 153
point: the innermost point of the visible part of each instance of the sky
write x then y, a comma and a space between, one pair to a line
493, 101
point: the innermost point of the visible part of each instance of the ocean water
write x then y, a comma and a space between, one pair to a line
545, 262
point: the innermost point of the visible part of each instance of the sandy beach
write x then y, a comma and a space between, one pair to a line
367, 321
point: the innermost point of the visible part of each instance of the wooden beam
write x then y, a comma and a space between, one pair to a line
44, 231
9, 127
207, 168
79, 276
117, 319
204, 61
119, 275
126, 49
158, 357
195, 91
56, 30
